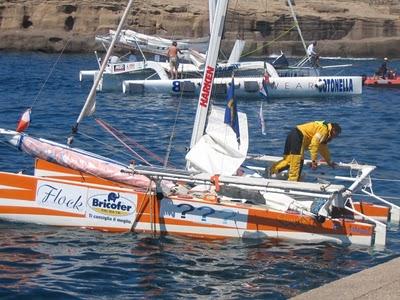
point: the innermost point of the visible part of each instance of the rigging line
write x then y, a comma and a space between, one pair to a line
232, 18
122, 142
106, 146
268, 43
119, 135
172, 136
235, 10
50, 73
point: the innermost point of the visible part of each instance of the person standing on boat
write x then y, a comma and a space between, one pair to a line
172, 54
383, 69
312, 54
313, 136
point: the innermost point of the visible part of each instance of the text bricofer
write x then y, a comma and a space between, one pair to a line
110, 205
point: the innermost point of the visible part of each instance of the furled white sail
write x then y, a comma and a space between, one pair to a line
75, 159
218, 151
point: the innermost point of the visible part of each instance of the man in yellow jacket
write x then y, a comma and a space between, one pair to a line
313, 136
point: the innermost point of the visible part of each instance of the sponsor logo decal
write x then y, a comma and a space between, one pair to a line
206, 87
118, 68
203, 214
111, 204
326, 85
342, 85
61, 197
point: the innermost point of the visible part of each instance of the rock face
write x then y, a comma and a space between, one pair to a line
347, 28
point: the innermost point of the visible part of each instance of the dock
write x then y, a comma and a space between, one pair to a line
379, 282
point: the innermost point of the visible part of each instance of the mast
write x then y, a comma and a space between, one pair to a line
209, 71
211, 11
90, 100
297, 24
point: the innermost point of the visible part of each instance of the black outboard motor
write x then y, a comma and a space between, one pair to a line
281, 62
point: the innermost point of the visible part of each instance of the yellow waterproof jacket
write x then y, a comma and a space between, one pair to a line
315, 137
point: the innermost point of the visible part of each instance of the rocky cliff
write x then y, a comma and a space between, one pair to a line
348, 28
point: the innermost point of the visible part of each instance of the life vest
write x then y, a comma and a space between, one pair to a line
329, 128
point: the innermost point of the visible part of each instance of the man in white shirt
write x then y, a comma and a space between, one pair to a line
312, 54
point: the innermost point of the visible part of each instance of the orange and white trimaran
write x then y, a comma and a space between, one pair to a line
72, 187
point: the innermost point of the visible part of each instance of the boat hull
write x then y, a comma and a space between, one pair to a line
378, 212
64, 198
250, 86
382, 82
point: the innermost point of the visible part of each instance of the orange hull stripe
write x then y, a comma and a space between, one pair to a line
36, 211
371, 209
17, 180
18, 195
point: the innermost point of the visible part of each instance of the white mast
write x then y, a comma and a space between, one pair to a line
211, 11
209, 71
89, 105
297, 24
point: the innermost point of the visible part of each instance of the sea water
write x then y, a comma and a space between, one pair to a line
44, 262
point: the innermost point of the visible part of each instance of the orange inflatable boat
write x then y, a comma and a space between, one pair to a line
382, 82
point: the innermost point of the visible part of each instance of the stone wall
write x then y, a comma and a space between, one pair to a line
356, 28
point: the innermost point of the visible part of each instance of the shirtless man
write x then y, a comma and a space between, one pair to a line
172, 54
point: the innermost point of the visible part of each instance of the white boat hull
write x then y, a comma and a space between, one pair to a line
250, 86
90, 202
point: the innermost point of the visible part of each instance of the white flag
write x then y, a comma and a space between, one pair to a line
261, 117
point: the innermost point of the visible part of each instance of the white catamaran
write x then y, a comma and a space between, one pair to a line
72, 187
151, 76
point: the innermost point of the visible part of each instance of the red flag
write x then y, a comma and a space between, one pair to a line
24, 121
266, 78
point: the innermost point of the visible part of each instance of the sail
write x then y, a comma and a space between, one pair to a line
218, 151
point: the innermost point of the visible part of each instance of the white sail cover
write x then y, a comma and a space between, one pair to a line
218, 151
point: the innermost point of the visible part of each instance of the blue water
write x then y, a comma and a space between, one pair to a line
39, 262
